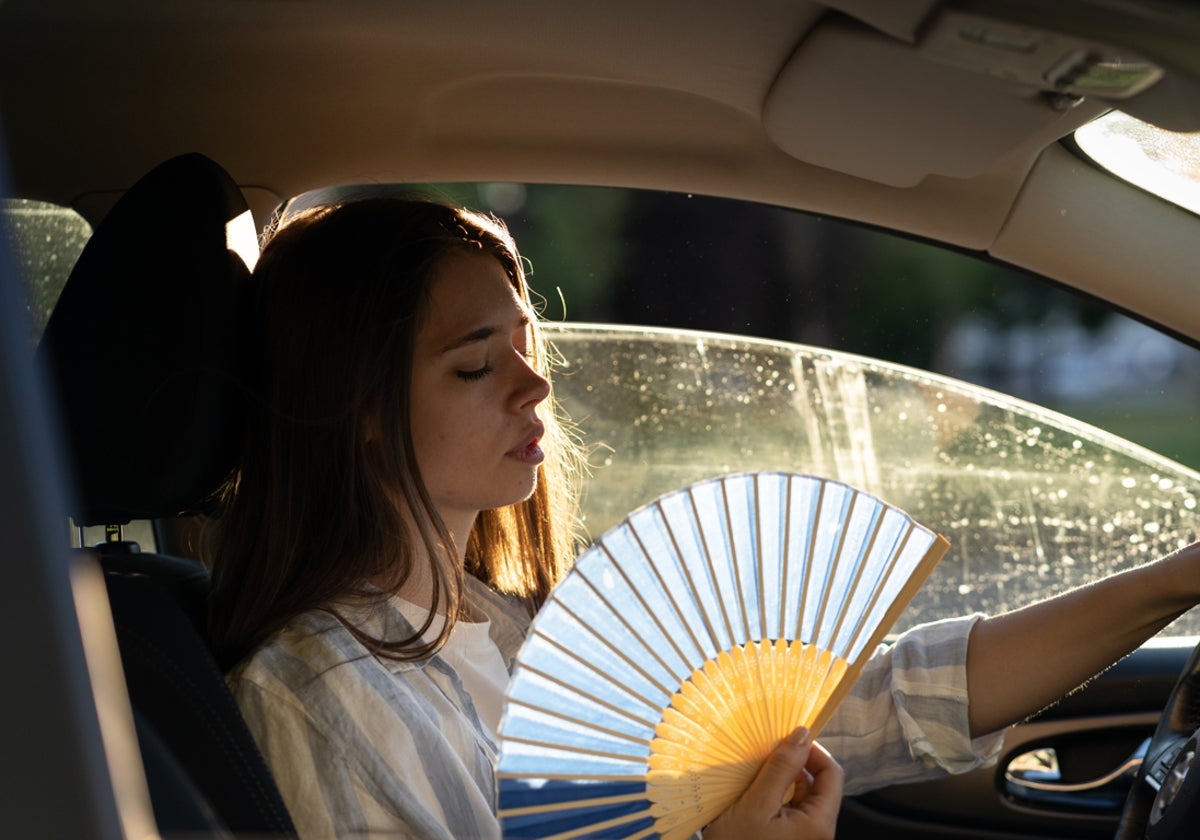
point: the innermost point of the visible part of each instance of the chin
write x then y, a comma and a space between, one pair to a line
527, 491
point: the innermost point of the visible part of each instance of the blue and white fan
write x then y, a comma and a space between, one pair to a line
688, 641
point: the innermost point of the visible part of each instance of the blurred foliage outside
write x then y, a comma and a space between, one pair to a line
611, 255
692, 262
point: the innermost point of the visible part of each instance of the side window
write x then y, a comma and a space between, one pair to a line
1048, 436
47, 240
1032, 501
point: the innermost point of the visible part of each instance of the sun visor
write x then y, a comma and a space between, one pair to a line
855, 100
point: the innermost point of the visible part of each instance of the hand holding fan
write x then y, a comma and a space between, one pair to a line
688, 641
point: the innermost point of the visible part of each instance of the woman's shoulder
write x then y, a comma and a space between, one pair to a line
308, 647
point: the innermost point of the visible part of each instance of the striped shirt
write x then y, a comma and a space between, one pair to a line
367, 747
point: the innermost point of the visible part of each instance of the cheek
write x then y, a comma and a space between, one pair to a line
441, 434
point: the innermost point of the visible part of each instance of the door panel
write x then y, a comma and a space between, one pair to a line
1092, 734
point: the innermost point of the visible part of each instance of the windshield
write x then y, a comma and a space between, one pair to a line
1165, 163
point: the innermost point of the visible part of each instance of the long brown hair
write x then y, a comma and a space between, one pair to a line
311, 514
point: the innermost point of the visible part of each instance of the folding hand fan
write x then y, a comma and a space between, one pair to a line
688, 641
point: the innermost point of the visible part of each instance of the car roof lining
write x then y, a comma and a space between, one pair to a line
314, 93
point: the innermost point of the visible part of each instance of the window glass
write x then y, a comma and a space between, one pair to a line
1165, 163
1049, 437
47, 240
1033, 502
696, 262
140, 531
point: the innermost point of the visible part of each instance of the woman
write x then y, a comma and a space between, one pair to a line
405, 501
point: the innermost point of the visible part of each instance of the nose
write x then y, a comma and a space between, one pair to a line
532, 387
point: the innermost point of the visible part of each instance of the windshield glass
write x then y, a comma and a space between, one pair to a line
1162, 162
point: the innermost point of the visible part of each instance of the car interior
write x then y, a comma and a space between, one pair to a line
167, 457
177, 132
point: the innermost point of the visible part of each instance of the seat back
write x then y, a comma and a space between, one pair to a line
141, 348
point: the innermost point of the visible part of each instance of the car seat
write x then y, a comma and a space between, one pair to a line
141, 349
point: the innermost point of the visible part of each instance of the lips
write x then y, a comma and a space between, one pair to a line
530, 452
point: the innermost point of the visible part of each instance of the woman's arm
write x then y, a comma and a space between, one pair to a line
1020, 662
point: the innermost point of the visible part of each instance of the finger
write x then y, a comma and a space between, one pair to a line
820, 808
778, 773
801, 788
825, 794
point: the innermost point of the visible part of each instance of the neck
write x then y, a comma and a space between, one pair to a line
460, 527
418, 588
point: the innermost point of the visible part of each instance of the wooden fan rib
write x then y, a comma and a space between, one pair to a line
786, 702
830, 671
592, 828
745, 718
575, 750
758, 553
690, 717
780, 721
881, 584
666, 590
720, 673
750, 677
809, 561
585, 724
677, 814
831, 573
688, 747
765, 654
722, 779
920, 572
697, 601
804, 680
530, 776
597, 700
708, 559
860, 569
625, 657
570, 805
704, 693
786, 559
693, 721
737, 576
646, 610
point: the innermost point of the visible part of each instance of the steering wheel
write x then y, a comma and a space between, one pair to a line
1164, 803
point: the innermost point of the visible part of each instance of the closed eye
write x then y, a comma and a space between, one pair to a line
473, 375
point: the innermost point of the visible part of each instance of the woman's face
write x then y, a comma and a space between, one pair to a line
474, 394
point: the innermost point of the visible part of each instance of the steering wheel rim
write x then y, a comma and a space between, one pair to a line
1164, 802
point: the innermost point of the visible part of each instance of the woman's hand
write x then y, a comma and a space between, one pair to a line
810, 813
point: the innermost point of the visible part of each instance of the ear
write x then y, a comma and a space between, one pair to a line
372, 429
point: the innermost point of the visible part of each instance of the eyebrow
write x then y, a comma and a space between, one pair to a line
480, 334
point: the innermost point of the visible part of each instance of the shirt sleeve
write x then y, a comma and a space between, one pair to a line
347, 779
324, 797
906, 718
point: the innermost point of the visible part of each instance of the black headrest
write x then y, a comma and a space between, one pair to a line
140, 345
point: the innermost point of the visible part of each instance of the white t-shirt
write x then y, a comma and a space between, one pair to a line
471, 652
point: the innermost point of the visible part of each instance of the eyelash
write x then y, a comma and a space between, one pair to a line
473, 375
480, 373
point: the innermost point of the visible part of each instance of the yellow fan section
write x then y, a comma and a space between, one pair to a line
724, 721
